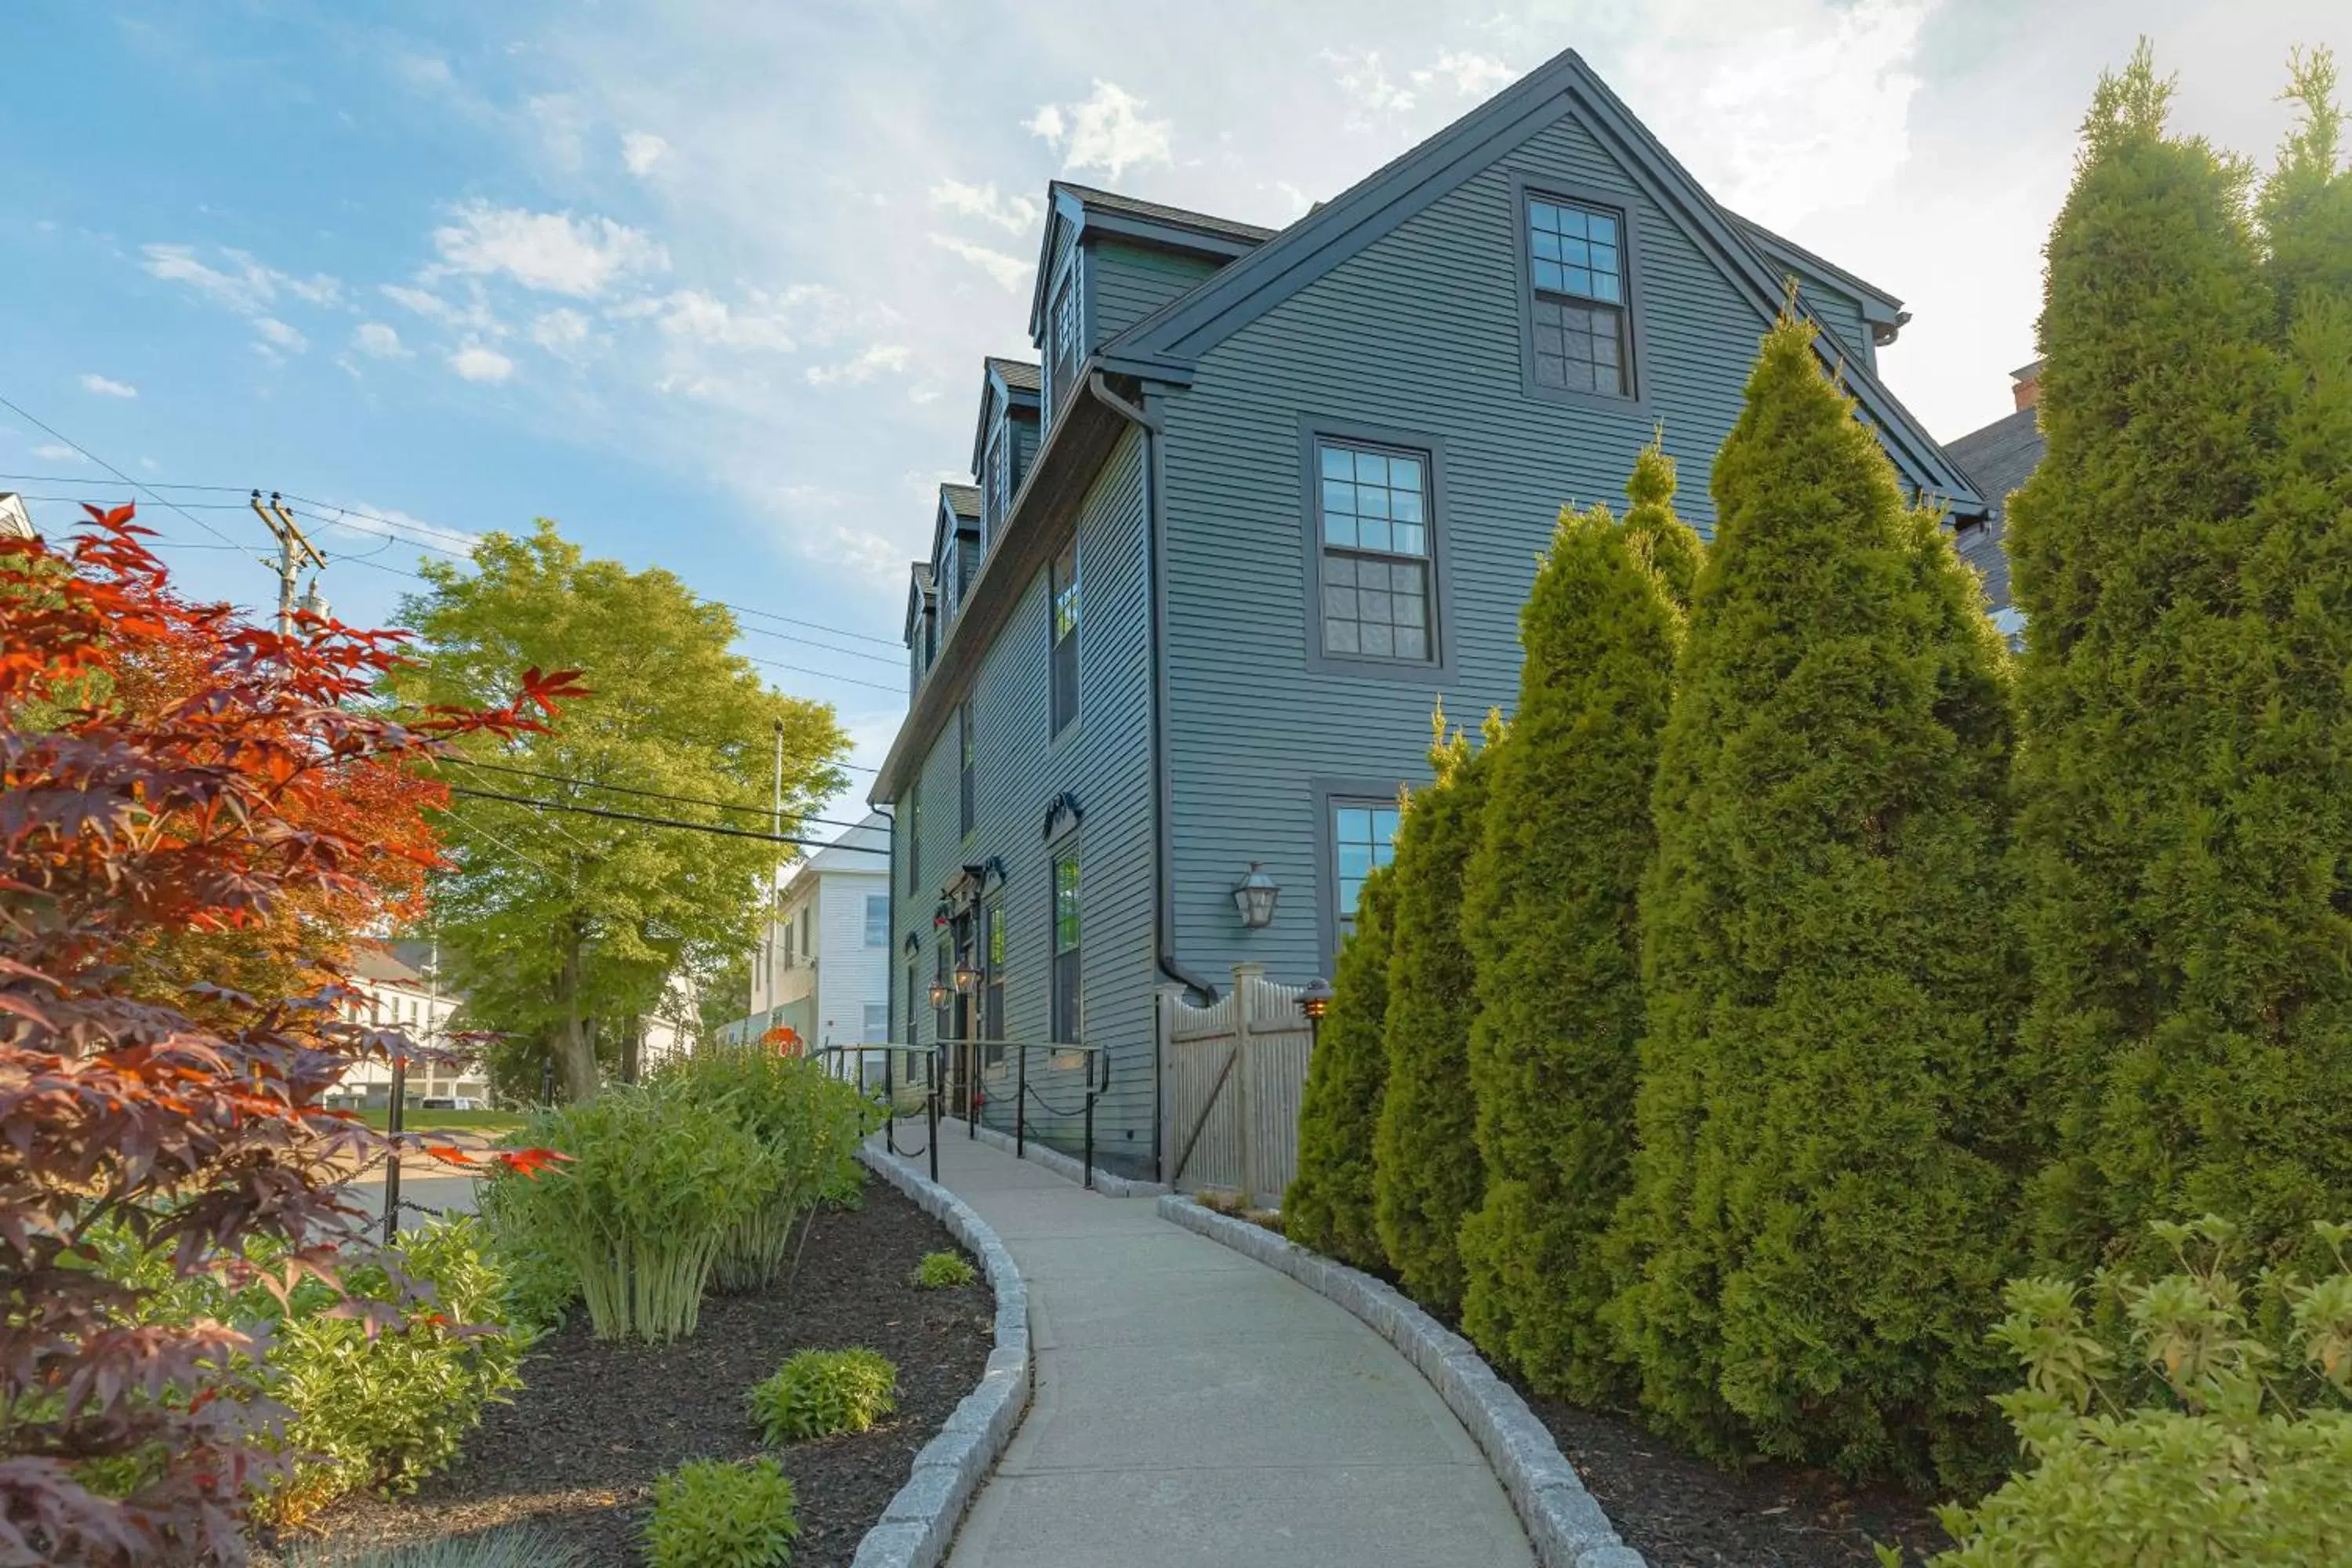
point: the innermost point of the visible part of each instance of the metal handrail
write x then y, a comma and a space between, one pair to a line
1097, 1083
931, 1090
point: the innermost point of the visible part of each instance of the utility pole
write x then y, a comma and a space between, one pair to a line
293, 549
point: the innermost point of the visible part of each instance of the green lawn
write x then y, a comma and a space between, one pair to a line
417, 1120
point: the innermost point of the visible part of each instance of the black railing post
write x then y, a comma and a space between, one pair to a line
970, 1090
1090, 1124
1021, 1103
889, 1098
393, 1124
931, 1108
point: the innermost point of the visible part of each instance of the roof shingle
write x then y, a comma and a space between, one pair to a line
1998, 457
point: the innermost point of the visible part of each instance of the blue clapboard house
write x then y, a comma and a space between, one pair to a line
1265, 498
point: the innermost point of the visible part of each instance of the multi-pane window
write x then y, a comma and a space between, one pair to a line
1576, 265
1363, 835
914, 834
877, 919
965, 746
995, 486
1064, 587
1374, 516
876, 1024
1065, 1020
1063, 356
966, 553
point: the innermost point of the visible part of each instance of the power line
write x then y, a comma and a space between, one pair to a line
118, 473
659, 821
647, 793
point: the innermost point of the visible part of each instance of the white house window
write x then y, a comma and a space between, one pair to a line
877, 919
1374, 520
876, 1023
1576, 266
1363, 837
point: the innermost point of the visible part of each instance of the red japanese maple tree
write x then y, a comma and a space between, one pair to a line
176, 786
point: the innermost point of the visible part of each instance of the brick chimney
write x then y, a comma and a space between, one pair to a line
2026, 384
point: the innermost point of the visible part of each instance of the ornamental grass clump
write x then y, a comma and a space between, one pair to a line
654, 1182
943, 1271
708, 1514
808, 1121
819, 1393
2187, 1420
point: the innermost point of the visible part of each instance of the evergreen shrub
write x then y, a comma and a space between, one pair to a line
1329, 1205
1551, 920
1425, 1172
1821, 1197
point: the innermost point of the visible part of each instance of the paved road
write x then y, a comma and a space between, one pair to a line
1195, 1407
450, 1193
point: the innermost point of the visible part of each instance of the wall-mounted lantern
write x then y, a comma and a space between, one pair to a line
1255, 896
1316, 1000
967, 978
939, 994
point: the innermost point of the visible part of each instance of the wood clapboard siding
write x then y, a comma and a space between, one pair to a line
1419, 332
1126, 283
1104, 760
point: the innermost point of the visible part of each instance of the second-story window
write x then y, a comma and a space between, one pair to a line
992, 1008
1576, 266
914, 838
965, 747
877, 919
1373, 503
1063, 353
1063, 585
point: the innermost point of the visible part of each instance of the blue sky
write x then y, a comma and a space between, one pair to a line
708, 283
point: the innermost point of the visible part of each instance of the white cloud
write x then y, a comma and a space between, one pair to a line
1366, 83
1009, 271
476, 362
57, 452
107, 386
1014, 214
693, 316
640, 150
244, 285
277, 334
562, 332
1106, 129
378, 340
1470, 74
553, 252
864, 366
475, 316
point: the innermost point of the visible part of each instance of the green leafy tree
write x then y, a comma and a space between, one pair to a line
1550, 918
1425, 1173
2184, 555
564, 930
1818, 1227
1329, 1205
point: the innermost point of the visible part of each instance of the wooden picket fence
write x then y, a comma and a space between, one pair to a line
1236, 1071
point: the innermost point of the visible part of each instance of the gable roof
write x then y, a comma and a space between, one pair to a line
1880, 309
918, 594
1167, 344
1020, 374
1016, 381
962, 499
1082, 207
1998, 457
852, 849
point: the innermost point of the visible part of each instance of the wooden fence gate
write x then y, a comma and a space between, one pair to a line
1236, 1071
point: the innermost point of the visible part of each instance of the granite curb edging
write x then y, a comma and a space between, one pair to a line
1564, 1522
1063, 1165
919, 1523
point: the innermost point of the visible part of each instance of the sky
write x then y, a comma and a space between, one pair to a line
708, 281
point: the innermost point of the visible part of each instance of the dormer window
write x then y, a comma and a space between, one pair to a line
1063, 353
995, 485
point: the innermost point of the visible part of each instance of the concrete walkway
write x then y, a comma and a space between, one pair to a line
1195, 1407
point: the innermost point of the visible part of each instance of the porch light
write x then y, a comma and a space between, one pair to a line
1255, 896
967, 978
939, 994
1316, 1000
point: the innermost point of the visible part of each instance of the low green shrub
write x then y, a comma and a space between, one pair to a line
514, 1547
658, 1180
2176, 1422
542, 1284
708, 1514
809, 1123
378, 1410
943, 1271
819, 1393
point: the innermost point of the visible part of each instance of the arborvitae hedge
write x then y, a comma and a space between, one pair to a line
1816, 1244
1659, 538
1426, 1175
2184, 557
1549, 916
1329, 1205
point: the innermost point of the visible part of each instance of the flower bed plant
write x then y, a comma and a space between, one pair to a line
708, 1514
819, 1393
942, 1270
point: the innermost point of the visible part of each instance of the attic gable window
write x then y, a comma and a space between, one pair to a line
1576, 271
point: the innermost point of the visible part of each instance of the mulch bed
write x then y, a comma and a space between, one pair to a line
1682, 1512
578, 1450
